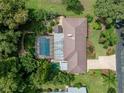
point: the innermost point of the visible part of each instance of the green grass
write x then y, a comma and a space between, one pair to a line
94, 38
93, 82
88, 6
57, 6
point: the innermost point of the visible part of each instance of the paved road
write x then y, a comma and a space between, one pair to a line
120, 63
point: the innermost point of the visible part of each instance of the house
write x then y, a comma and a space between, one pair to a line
67, 45
77, 90
74, 90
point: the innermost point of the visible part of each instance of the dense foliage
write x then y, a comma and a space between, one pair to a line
110, 9
111, 90
108, 38
110, 81
91, 54
74, 5
27, 75
39, 21
8, 42
8, 71
96, 26
63, 78
24, 73
12, 14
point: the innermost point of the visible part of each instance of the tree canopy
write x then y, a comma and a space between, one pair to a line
110, 8
74, 5
12, 13
8, 80
8, 42
108, 38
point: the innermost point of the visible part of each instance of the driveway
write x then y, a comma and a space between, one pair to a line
103, 62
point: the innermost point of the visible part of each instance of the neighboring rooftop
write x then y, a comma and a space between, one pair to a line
74, 90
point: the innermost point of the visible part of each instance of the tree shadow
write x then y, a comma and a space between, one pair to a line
77, 10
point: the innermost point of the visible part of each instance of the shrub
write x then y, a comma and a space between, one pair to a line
110, 51
108, 38
102, 40
49, 90
96, 26
52, 23
63, 78
56, 21
106, 45
109, 20
49, 29
89, 18
111, 90
78, 85
74, 5
91, 50
56, 90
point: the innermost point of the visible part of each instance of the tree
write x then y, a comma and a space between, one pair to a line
108, 38
8, 80
78, 85
110, 79
28, 63
41, 75
108, 11
39, 20
8, 42
63, 78
74, 5
32, 73
111, 90
12, 14
104, 8
8, 84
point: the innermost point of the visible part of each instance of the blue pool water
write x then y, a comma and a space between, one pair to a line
44, 46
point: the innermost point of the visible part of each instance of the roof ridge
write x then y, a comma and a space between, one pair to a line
66, 19
68, 23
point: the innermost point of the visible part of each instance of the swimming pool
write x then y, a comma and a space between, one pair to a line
44, 46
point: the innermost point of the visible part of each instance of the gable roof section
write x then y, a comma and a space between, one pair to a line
76, 23
75, 45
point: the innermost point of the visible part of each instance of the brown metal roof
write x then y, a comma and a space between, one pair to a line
75, 34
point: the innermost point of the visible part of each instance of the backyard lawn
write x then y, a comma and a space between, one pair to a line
57, 6
93, 82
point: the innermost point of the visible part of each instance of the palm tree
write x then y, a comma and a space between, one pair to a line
110, 79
